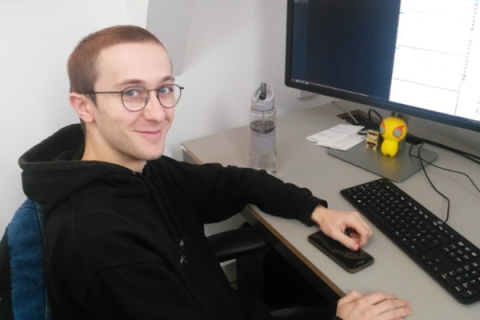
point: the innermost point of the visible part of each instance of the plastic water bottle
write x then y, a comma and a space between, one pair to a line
262, 130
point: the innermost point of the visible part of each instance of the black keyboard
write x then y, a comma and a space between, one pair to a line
452, 260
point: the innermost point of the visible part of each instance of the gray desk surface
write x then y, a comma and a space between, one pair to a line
307, 165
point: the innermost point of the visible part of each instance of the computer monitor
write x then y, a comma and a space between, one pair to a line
413, 57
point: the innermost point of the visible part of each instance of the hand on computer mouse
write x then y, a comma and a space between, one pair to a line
334, 223
378, 305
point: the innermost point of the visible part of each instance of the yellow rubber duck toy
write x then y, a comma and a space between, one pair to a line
393, 130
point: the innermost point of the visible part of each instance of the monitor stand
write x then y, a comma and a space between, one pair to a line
396, 168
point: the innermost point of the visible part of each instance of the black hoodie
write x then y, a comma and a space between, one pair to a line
127, 245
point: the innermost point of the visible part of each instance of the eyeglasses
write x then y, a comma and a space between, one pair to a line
136, 98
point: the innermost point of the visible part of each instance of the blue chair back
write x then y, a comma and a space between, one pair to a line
23, 294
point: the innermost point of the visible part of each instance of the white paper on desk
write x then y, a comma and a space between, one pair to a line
342, 137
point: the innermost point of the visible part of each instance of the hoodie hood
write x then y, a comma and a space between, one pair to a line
53, 170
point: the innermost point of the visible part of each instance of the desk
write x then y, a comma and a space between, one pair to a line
306, 165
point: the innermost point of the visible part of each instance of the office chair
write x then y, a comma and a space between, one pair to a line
23, 294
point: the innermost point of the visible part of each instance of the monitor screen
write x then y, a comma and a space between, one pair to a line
416, 57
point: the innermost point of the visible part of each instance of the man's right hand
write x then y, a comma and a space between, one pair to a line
375, 306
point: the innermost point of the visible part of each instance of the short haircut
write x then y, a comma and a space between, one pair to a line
81, 66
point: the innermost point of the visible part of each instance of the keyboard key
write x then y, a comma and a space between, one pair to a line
469, 293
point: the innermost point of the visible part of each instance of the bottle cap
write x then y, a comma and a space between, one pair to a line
263, 98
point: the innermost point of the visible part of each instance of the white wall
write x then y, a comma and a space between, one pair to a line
232, 46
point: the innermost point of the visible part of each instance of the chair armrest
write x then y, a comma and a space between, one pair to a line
236, 243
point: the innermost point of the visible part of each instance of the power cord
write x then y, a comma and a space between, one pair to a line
417, 140
451, 170
439, 167
418, 156
378, 115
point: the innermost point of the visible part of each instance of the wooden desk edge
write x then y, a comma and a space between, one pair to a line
252, 216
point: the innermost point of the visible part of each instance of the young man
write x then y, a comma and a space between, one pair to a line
124, 237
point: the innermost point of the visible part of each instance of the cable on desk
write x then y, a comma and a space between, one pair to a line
417, 140
428, 178
378, 115
449, 170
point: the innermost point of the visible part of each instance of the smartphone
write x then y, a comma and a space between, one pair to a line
351, 261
